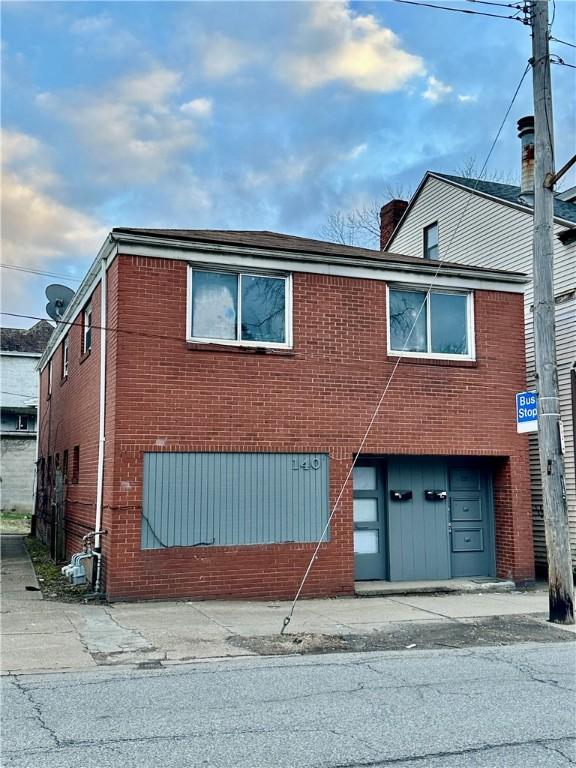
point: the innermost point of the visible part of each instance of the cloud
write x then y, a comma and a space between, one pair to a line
222, 56
135, 128
201, 107
90, 25
339, 45
466, 98
36, 227
437, 91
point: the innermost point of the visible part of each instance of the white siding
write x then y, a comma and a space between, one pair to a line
487, 233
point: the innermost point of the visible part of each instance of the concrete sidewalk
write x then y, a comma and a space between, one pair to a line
40, 635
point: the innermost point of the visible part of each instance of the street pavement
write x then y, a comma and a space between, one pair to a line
44, 636
498, 707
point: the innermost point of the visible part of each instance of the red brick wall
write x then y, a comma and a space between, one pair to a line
169, 395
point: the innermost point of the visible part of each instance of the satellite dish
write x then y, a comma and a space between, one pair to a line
59, 296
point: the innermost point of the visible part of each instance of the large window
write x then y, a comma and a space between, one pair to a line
438, 324
239, 308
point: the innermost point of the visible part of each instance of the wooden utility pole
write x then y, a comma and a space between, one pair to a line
560, 580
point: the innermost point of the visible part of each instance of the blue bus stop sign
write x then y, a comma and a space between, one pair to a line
526, 412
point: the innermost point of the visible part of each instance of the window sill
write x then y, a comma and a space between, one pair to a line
85, 356
434, 361
63, 380
200, 346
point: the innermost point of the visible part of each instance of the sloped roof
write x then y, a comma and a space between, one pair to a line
32, 339
510, 194
277, 241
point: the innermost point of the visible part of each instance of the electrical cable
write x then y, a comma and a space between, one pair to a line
564, 42
563, 63
289, 615
457, 10
40, 272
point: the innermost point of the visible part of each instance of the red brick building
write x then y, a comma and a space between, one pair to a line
206, 407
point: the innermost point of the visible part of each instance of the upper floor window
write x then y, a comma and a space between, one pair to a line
431, 241
435, 324
239, 308
87, 329
50, 378
65, 357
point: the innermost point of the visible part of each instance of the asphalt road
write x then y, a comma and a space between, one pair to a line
501, 707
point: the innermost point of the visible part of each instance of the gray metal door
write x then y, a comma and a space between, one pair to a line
369, 523
471, 521
418, 518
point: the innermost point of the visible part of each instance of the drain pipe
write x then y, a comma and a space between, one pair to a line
102, 427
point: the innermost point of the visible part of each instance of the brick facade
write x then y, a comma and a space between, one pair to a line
164, 394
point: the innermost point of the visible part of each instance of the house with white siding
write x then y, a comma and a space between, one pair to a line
20, 351
490, 225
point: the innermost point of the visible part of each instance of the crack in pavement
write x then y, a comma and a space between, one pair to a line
448, 753
37, 709
558, 751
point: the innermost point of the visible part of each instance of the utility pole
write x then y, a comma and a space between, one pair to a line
560, 580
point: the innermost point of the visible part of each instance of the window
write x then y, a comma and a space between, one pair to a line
431, 241
65, 355
50, 378
65, 466
22, 423
234, 308
49, 472
438, 324
87, 330
75, 464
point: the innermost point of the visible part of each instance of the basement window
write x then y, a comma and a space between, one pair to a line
438, 324
239, 308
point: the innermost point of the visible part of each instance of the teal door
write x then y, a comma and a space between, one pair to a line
418, 518
471, 521
369, 522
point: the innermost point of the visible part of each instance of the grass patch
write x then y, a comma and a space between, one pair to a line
15, 522
54, 586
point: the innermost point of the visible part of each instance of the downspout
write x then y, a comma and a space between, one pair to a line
102, 425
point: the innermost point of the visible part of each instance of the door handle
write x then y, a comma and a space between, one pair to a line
449, 527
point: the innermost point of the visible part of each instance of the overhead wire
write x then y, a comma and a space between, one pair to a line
289, 615
458, 10
564, 42
40, 272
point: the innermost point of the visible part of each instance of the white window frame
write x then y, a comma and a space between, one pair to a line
426, 247
20, 417
65, 356
433, 355
50, 379
287, 344
86, 327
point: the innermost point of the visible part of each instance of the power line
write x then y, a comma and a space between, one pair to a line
18, 394
563, 63
498, 5
564, 42
40, 272
288, 617
460, 10
76, 324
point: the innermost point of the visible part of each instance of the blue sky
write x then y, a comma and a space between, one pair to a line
243, 115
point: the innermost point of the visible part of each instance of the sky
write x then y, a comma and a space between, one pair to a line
244, 115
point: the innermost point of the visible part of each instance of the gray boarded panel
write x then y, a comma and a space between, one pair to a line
195, 499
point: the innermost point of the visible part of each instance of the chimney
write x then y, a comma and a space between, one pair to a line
390, 215
526, 135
